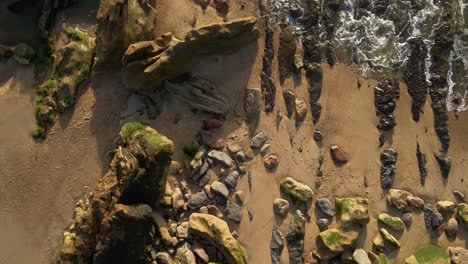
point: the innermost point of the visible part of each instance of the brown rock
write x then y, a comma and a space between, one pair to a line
271, 162
212, 124
301, 109
338, 155
222, 7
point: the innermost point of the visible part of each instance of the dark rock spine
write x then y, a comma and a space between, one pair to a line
267, 84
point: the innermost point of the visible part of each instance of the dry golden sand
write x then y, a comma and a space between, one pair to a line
41, 182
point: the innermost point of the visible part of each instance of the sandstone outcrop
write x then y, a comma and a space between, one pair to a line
147, 64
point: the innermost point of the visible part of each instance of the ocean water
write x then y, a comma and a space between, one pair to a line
376, 38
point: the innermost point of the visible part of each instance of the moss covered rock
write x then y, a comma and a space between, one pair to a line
393, 222
299, 192
22, 53
216, 231
462, 212
337, 241
429, 254
389, 238
379, 258
353, 210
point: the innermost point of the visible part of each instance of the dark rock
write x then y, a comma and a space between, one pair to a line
445, 163
432, 218
222, 7
267, 84
276, 245
123, 235
197, 200
388, 160
386, 123
234, 212
212, 123
231, 180
197, 175
258, 140
326, 207
286, 52
421, 164
318, 136
407, 218
338, 155
322, 224
290, 100
415, 77
295, 238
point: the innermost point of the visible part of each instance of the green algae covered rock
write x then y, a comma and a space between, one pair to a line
429, 254
72, 66
353, 210
393, 222
379, 258
389, 238
462, 211
337, 240
299, 192
216, 231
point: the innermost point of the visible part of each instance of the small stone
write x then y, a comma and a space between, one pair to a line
220, 157
299, 192
326, 207
452, 227
265, 149
241, 157
219, 144
164, 258
239, 196
197, 175
182, 230
231, 180
389, 238
210, 124
301, 109
234, 212
197, 200
318, 136
280, 207
167, 238
271, 162
250, 213
220, 189
322, 224
177, 199
258, 141
208, 191
393, 222
432, 218
214, 210
360, 256
386, 123
459, 195
407, 218
203, 210
201, 253
338, 155
234, 147
184, 254
445, 163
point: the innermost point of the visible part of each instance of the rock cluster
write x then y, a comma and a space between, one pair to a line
386, 93
113, 222
286, 52
266, 81
147, 64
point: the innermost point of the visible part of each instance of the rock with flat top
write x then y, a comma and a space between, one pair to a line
220, 157
220, 189
326, 207
360, 256
404, 200
280, 207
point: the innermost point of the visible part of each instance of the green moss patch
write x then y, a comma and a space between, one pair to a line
77, 35
431, 254
333, 239
299, 192
394, 223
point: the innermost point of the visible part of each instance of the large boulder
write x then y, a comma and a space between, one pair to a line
216, 231
404, 200
123, 235
297, 191
147, 64
121, 23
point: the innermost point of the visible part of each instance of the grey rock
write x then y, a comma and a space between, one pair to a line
196, 175
265, 149
280, 207
231, 180
407, 218
204, 180
388, 160
164, 258
240, 156
452, 227
220, 189
197, 200
295, 238
258, 140
432, 218
322, 224
326, 207
220, 157
234, 211
276, 245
